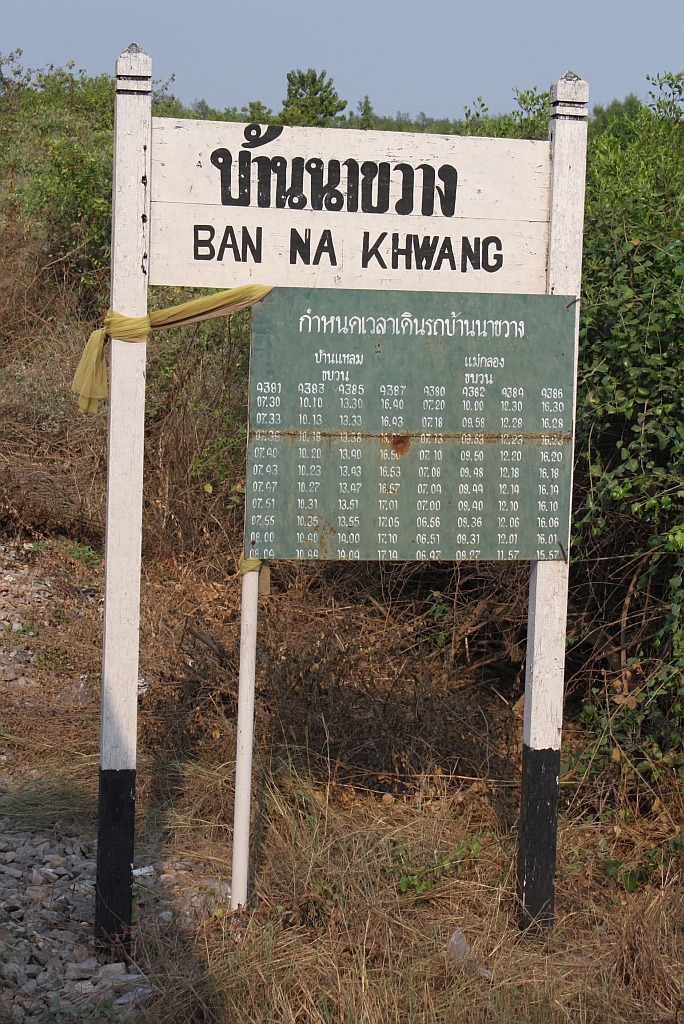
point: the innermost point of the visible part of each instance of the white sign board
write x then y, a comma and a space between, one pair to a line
325, 208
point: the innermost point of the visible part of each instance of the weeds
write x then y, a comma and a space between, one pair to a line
81, 553
424, 879
64, 1014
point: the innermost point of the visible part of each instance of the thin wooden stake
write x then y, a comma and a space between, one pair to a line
245, 736
130, 226
549, 580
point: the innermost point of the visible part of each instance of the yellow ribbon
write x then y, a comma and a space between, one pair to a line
90, 379
262, 567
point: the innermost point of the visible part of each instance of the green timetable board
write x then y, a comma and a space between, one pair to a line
410, 426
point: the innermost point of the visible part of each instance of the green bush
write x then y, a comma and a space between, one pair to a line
56, 168
630, 422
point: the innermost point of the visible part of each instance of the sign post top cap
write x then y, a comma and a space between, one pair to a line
134, 62
569, 89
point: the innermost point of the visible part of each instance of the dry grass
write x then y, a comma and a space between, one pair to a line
332, 937
342, 813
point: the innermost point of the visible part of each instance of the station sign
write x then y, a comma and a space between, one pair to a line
407, 425
325, 208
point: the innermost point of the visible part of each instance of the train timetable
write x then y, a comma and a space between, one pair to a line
410, 425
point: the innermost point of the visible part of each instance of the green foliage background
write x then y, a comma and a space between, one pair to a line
55, 186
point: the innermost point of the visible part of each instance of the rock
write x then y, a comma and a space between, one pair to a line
54, 861
135, 996
83, 913
78, 987
78, 972
128, 980
108, 971
49, 981
144, 872
35, 892
40, 906
214, 884
458, 948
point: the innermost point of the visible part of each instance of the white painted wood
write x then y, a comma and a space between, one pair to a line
524, 245
569, 89
245, 736
503, 190
130, 229
548, 599
548, 603
507, 175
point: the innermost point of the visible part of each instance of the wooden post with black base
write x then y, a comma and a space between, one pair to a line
130, 227
549, 580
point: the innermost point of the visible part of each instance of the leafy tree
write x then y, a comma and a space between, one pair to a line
366, 117
668, 100
528, 120
311, 100
256, 113
202, 110
616, 118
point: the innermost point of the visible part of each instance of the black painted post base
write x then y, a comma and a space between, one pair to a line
537, 837
115, 843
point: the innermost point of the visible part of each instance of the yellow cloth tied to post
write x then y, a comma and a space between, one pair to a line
260, 566
90, 379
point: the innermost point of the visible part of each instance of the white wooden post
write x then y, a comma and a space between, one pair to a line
245, 735
130, 229
549, 580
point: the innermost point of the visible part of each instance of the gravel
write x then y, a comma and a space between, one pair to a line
48, 957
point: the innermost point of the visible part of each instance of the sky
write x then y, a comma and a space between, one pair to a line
434, 57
